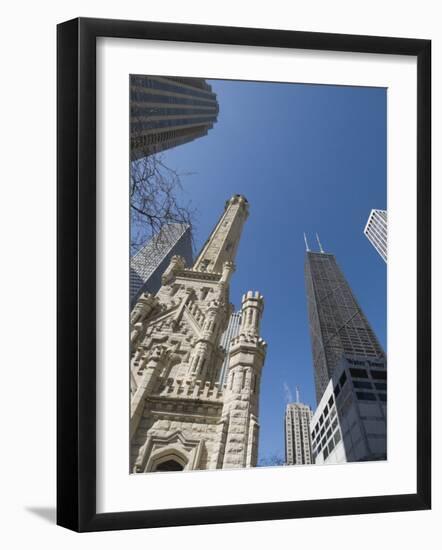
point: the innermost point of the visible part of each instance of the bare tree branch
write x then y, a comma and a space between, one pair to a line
273, 460
155, 199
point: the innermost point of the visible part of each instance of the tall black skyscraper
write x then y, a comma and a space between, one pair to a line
337, 323
168, 111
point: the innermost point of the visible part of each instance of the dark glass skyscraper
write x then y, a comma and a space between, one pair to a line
168, 111
149, 263
337, 323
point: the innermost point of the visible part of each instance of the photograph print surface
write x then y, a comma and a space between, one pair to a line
258, 274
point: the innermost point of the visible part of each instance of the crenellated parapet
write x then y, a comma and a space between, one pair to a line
248, 341
192, 389
252, 307
155, 360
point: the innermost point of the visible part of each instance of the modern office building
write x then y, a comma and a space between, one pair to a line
350, 422
338, 325
151, 260
298, 449
168, 111
231, 331
376, 231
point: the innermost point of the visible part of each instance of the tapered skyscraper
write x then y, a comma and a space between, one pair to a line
338, 325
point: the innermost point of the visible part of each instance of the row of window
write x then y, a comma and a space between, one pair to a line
365, 383
376, 240
169, 111
172, 137
147, 97
329, 447
377, 231
158, 124
325, 433
363, 363
382, 386
169, 87
353, 329
365, 396
363, 373
326, 423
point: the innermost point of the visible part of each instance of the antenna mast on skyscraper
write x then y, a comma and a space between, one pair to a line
288, 393
319, 243
297, 394
306, 244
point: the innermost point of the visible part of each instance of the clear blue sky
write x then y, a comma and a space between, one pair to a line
308, 158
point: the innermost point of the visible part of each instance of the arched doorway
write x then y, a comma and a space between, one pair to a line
172, 457
169, 466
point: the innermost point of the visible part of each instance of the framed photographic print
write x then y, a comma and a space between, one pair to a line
243, 233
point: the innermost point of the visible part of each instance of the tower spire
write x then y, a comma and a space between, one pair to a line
297, 394
306, 244
223, 242
319, 243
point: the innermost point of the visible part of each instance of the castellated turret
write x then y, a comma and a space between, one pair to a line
252, 308
241, 398
181, 417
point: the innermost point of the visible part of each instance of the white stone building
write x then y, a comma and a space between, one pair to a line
181, 417
298, 449
376, 231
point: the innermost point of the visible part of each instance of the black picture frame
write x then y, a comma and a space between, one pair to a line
76, 274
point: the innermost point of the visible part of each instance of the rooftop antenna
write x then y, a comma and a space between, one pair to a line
306, 244
297, 394
319, 243
288, 393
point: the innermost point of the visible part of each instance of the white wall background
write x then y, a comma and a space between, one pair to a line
27, 219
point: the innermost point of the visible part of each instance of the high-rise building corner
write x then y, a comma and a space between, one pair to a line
376, 231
